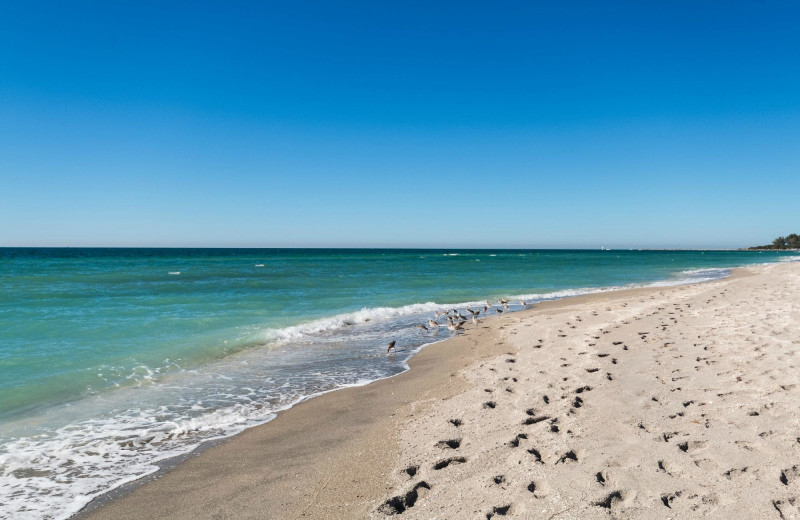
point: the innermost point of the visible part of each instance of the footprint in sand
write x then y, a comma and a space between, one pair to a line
447, 462
499, 511
452, 444
537, 455
514, 443
569, 456
399, 504
787, 508
790, 476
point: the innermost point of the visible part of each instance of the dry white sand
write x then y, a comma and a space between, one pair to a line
679, 403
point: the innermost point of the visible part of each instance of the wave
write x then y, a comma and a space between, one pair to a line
686, 277
365, 315
382, 314
704, 274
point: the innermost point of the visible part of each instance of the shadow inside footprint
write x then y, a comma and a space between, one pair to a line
500, 511
536, 454
399, 504
570, 455
446, 462
789, 475
609, 500
667, 499
453, 444
534, 420
515, 441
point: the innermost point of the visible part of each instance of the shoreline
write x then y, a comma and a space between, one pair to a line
425, 365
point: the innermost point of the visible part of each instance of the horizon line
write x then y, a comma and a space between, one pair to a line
432, 248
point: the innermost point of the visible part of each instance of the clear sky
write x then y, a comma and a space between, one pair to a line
480, 124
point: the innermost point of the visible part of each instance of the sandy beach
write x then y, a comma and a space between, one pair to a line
678, 402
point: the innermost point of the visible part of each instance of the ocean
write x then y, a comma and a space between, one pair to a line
112, 360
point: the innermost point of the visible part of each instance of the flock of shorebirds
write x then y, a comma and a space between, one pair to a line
456, 320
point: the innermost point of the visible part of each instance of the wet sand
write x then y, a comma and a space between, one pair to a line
673, 402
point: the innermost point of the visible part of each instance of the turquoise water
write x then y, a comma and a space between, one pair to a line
112, 359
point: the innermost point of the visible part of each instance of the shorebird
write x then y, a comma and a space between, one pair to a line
522, 302
475, 320
455, 327
505, 306
485, 308
504, 301
391, 346
499, 311
423, 327
474, 313
432, 323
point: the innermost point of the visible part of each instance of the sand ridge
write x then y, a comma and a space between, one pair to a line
679, 403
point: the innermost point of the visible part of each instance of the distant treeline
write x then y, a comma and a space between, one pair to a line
788, 242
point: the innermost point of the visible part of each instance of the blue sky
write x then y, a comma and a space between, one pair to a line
485, 124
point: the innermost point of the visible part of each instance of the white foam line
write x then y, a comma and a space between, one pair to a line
382, 314
273, 414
